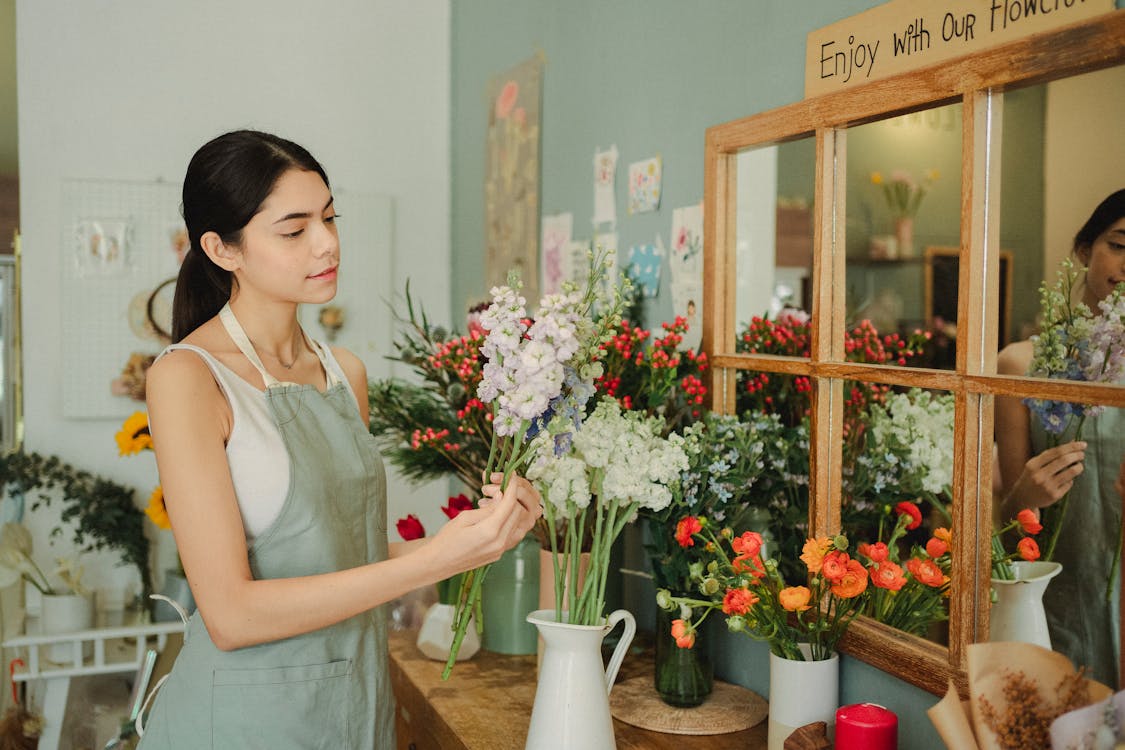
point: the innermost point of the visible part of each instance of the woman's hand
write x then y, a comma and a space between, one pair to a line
1047, 477
478, 537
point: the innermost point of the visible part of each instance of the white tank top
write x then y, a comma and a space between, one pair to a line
259, 462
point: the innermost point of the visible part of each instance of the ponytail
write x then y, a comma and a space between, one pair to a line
202, 288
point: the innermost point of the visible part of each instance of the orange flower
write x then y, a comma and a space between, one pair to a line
794, 598
156, 510
684, 633
747, 564
134, 435
935, 548
1029, 521
907, 508
747, 545
945, 535
835, 565
812, 554
876, 553
687, 526
739, 601
926, 571
853, 582
1028, 549
887, 575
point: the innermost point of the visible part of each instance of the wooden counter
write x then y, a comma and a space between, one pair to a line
486, 705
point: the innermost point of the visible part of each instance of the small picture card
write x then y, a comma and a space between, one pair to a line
644, 185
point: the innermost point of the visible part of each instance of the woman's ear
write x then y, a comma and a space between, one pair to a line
224, 256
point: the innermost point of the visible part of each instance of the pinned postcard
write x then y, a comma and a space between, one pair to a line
686, 258
101, 246
605, 178
644, 185
556, 234
687, 303
644, 266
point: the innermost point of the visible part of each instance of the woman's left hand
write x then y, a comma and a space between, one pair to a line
529, 504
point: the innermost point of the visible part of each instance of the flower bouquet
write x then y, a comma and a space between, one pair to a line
1074, 344
1026, 525
536, 379
758, 602
902, 192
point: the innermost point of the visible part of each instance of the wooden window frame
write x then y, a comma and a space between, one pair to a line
977, 81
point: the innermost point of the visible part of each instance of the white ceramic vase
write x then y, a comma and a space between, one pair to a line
802, 692
65, 613
435, 636
1017, 614
571, 709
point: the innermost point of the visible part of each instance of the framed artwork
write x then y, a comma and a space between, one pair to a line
511, 176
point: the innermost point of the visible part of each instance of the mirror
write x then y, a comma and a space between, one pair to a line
10, 392
997, 197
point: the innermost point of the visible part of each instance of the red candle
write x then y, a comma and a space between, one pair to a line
866, 726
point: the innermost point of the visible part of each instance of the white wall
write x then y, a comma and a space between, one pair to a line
1082, 156
128, 90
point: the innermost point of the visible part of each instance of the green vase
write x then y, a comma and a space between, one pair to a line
509, 593
684, 676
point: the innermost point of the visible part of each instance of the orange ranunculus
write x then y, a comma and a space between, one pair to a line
944, 534
794, 598
935, 548
739, 601
852, 583
835, 565
1028, 549
1029, 521
887, 575
747, 564
684, 633
747, 545
907, 508
812, 554
687, 526
926, 571
876, 553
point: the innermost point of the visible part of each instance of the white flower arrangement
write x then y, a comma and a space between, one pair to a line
615, 465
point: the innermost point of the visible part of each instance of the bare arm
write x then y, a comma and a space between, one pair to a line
190, 422
1029, 481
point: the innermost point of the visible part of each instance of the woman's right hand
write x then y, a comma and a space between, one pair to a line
1047, 477
477, 537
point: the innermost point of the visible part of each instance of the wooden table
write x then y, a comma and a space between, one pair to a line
486, 704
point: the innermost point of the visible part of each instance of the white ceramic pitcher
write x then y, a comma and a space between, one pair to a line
572, 698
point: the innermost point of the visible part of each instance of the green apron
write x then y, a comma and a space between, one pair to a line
326, 689
1082, 624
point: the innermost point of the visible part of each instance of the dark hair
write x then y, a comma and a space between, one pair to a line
226, 183
1108, 211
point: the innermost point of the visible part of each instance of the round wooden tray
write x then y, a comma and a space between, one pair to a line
729, 708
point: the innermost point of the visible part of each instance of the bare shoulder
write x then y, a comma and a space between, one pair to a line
180, 389
352, 365
1014, 358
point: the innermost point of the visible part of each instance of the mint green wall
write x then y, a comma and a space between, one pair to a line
649, 76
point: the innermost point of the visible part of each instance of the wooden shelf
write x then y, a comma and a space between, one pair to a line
486, 704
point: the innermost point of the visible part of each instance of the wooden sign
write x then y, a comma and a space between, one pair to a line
904, 35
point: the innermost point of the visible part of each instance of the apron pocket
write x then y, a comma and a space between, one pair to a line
280, 707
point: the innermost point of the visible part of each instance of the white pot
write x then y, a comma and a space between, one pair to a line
1018, 613
435, 637
802, 692
66, 613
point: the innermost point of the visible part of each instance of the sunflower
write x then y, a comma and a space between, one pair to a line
134, 437
156, 511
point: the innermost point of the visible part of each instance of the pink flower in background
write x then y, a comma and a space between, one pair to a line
507, 100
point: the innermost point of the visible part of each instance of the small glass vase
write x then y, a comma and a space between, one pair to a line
684, 676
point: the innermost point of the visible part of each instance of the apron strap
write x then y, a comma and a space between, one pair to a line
238, 334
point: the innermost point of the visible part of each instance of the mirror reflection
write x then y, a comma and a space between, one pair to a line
1065, 226
903, 230
774, 233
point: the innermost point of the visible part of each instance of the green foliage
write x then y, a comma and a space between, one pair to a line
104, 513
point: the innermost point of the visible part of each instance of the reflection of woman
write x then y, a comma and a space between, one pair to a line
274, 488
1082, 624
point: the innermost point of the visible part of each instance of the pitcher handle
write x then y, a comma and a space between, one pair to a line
622, 645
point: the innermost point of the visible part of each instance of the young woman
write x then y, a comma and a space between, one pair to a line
274, 488
1083, 625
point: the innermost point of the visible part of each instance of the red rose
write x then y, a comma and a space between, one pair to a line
1028, 549
687, 526
410, 528
907, 508
456, 504
1029, 522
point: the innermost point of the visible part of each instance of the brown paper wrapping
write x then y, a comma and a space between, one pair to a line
959, 723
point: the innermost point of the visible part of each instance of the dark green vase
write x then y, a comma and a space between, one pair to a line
684, 676
509, 593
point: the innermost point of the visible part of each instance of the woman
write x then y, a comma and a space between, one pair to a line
273, 485
1083, 625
